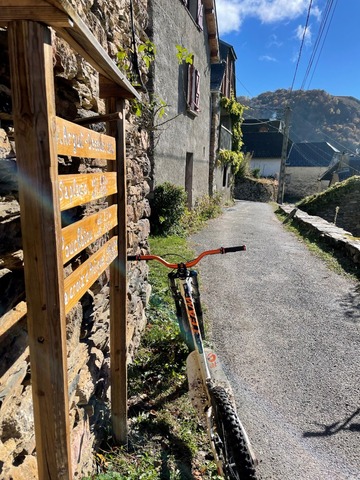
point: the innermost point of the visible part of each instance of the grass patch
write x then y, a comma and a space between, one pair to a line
166, 440
334, 258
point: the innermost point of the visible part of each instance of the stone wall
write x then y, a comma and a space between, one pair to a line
339, 204
255, 190
76, 85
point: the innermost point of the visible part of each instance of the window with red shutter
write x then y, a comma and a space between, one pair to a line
200, 14
193, 89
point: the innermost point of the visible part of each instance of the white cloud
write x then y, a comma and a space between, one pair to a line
231, 13
274, 41
267, 58
299, 32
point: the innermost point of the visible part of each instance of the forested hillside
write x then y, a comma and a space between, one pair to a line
315, 116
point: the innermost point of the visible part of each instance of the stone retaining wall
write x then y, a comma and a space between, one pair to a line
328, 232
339, 204
76, 86
255, 190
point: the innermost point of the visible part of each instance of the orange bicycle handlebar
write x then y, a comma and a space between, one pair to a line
190, 263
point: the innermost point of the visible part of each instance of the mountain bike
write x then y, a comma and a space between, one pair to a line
210, 391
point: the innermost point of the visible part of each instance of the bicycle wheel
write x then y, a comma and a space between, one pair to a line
231, 444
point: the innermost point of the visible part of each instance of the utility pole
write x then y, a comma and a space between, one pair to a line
280, 197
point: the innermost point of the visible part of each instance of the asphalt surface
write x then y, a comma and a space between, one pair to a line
287, 330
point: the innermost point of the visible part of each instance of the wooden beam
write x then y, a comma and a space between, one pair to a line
32, 83
44, 13
110, 117
12, 317
118, 286
109, 89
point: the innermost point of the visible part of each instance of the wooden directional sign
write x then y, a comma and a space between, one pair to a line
77, 189
81, 234
76, 141
78, 282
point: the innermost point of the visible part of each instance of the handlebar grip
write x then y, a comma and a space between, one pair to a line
239, 248
132, 258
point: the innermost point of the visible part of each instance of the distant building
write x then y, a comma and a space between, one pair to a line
344, 167
305, 165
222, 85
263, 140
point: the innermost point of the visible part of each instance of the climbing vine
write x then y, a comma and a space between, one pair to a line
236, 111
235, 158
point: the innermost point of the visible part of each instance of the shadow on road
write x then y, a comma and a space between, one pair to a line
351, 304
336, 427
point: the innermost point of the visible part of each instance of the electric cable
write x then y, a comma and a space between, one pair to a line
301, 46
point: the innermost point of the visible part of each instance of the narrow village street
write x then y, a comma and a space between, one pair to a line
287, 329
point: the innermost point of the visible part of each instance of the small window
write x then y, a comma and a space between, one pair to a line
200, 14
193, 90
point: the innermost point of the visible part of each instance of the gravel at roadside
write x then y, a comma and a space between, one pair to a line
288, 332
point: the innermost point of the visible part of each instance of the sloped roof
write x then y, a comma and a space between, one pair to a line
218, 69
217, 75
252, 125
225, 49
311, 154
344, 169
263, 144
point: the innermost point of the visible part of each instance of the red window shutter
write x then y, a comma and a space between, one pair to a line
190, 86
197, 91
200, 14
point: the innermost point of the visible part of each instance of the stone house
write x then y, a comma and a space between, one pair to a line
263, 140
222, 85
181, 139
76, 86
344, 167
305, 164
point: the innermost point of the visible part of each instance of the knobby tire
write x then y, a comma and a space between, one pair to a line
233, 450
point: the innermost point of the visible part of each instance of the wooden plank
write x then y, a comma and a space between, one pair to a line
110, 117
78, 141
81, 234
81, 188
77, 284
118, 288
12, 317
44, 13
32, 85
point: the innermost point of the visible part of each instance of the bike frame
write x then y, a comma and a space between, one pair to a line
182, 278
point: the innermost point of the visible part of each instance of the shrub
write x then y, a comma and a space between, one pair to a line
167, 208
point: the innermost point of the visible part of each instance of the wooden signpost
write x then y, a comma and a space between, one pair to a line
43, 194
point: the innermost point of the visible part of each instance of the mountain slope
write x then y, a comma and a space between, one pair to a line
315, 116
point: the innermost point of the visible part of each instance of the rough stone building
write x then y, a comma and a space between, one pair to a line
181, 139
76, 88
222, 85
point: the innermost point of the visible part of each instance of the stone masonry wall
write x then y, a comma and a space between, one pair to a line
76, 86
339, 205
255, 190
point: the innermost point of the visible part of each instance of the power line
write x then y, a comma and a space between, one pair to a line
324, 23
322, 46
302, 44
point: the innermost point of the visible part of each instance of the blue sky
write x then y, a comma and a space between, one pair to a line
267, 34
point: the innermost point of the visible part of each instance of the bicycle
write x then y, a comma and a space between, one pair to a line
208, 386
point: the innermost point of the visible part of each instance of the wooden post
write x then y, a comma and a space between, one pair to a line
118, 286
281, 187
35, 128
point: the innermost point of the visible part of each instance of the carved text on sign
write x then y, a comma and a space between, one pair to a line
79, 235
76, 284
74, 140
84, 187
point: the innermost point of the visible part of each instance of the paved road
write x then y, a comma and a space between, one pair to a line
288, 331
